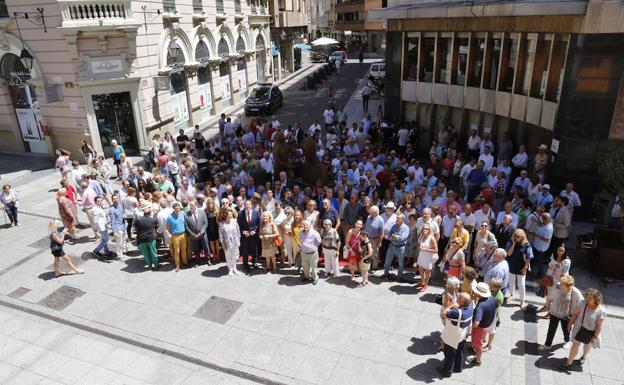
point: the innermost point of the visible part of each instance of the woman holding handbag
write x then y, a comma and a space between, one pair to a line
269, 236
57, 239
586, 326
454, 260
558, 267
519, 255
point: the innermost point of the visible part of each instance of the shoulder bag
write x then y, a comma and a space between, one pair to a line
584, 335
452, 335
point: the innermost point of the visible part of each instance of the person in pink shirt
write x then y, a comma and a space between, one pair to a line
451, 200
87, 202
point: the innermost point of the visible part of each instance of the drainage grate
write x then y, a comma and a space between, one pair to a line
19, 292
61, 297
218, 309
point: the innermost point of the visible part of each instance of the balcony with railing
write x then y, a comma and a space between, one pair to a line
220, 7
169, 6
96, 13
198, 8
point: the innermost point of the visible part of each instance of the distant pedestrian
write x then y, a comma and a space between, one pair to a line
67, 212
10, 203
57, 240
117, 158
366, 91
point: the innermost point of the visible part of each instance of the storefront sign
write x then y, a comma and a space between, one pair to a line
205, 96
180, 107
107, 67
225, 87
242, 82
28, 124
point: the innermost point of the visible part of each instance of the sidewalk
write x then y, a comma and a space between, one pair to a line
354, 109
272, 326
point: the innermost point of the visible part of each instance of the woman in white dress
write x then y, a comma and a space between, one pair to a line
289, 242
229, 236
427, 256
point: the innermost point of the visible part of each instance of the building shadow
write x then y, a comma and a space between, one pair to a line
426, 372
426, 345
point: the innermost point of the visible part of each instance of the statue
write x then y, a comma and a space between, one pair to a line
280, 155
313, 168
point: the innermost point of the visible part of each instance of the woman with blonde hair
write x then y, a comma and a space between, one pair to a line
563, 306
67, 212
586, 326
454, 259
212, 231
427, 256
311, 214
268, 233
289, 242
57, 239
519, 255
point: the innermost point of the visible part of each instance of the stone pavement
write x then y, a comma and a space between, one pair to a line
271, 326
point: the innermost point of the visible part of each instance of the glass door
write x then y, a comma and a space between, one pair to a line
115, 120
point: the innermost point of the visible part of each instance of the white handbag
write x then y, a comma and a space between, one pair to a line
452, 335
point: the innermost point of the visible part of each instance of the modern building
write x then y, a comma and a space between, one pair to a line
319, 18
124, 70
543, 71
290, 26
353, 25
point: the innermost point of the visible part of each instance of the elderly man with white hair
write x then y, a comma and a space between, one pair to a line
497, 268
310, 241
374, 227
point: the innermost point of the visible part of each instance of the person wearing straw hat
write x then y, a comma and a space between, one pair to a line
540, 161
146, 227
483, 318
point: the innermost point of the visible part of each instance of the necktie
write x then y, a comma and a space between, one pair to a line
248, 217
195, 217
556, 212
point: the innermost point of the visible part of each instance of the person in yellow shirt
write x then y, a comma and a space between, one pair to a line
460, 232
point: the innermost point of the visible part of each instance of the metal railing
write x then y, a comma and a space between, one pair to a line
220, 7
95, 11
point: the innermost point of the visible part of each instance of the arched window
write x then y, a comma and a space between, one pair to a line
240, 44
223, 47
201, 51
260, 43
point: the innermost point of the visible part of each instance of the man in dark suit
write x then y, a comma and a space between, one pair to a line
196, 225
134, 178
249, 223
504, 231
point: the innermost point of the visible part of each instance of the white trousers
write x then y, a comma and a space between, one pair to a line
330, 258
231, 257
290, 249
517, 279
120, 242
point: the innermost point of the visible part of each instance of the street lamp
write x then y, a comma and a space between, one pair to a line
27, 59
174, 50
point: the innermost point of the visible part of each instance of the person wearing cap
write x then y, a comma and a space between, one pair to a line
483, 317
146, 227
454, 356
544, 197
10, 203
540, 161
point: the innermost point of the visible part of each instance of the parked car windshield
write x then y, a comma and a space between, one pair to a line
260, 92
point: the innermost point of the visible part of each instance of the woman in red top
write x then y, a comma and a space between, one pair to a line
353, 248
70, 194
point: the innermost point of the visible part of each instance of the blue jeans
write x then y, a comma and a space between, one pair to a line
399, 253
103, 245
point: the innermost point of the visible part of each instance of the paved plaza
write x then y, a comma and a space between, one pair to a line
121, 324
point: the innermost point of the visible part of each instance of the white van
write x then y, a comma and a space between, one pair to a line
378, 70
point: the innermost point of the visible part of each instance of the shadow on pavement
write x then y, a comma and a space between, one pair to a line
425, 372
426, 345
46, 276
433, 298
525, 347
291, 281
344, 280
215, 273
404, 290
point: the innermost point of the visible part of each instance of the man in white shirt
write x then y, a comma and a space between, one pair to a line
487, 159
519, 162
474, 143
573, 198
448, 224
275, 123
465, 171
507, 211
267, 164
328, 115
485, 214
403, 135
540, 242
314, 127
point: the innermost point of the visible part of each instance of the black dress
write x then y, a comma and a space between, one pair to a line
213, 228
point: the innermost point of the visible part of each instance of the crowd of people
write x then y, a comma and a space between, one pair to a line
473, 214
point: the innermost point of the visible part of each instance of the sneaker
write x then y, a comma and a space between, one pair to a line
544, 348
473, 361
236, 272
231, 274
566, 346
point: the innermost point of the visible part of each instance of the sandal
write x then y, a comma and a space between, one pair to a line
582, 360
487, 348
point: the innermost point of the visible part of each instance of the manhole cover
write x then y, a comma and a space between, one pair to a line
19, 292
61, 297
218, 309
